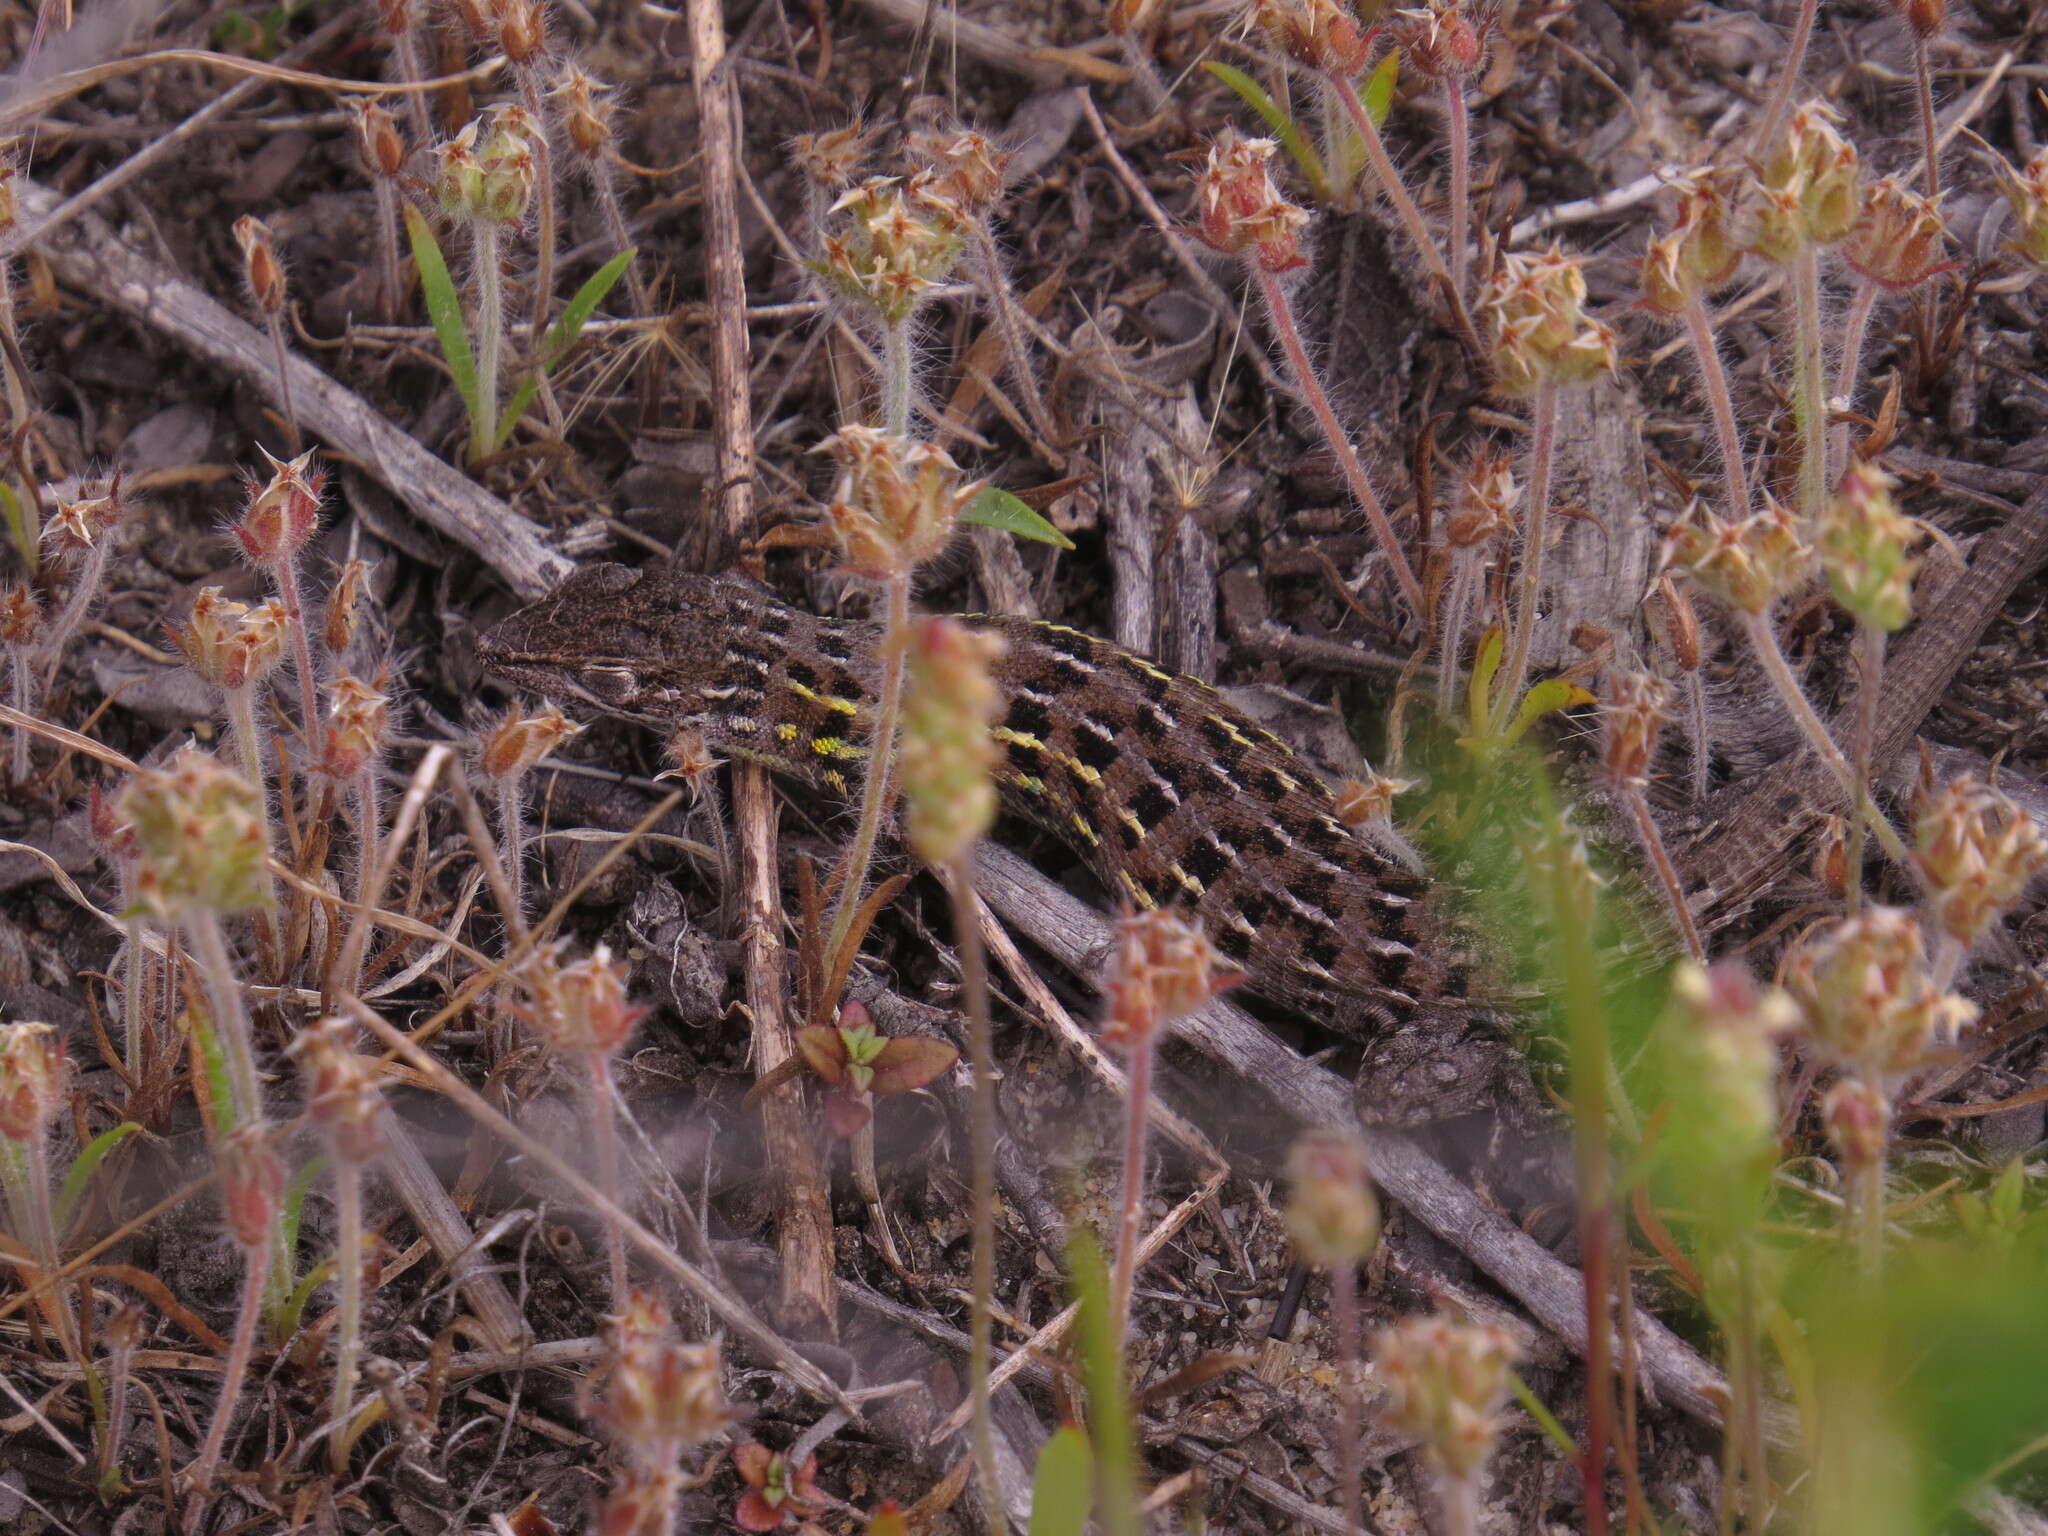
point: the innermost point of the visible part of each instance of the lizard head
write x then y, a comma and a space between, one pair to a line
651, 645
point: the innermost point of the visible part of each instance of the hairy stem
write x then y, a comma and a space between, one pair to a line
1350, 1464
995, 283
21, 663
1281, 310
512, 841
1809, 393
230, 1018
1461, 1505
1667, 877
605, 1124
982, 1062
1930, 142
1452, 619
1788, 76
1536, 535
285, 573
896, 377
275, 325
490, 337
77, 604
1849, 373
390, 278
1706, 349
877, 789
1702, 744
241, 1350
531, 87
348, 1306
1460, 133
1870, 659
1131, 1207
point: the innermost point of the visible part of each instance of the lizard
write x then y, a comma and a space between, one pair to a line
1169, 794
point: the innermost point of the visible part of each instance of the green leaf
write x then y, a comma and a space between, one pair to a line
1282, 127
1377, 93
1102, 1368
444, 308
1547, 697
21, 530
294, 1309
1000, 510
83, 1166
1485, 663
562, 335
295, 1205
1063, 1487
1546, 1421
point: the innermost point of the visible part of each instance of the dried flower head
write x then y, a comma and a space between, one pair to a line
358, 724
1362, 802
379, 142
1898, 238
342, 1097
655, 1394
833, 161
21, 614
587, 108
252, 1180
1163, 969
1749, 564
1332, 1213
691, 760
81, 525
1540, 331
963, 171
1870, 999
200, 837
1808, 192
890, 252
1635, 709
1328, 36
1866, 545
31, 1080
1446, 39
1858, 1117
1487, 500
1699, 254
1923, 18
897, 500
580, 1005
1446, 1382
512, 746
522, 30
2027, 191
488, 170
262, 268
1239, 209
946, 756
1977, 851
227, 644
283, 512
344, 608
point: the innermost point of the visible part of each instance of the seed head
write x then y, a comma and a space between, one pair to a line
1679, 622
833, 161
1239, 209
78, 526
517, 742
1636, 708
31, 1080
1370, 800
581, 1006
379, 142
199, 835
229, 645
691, 760
282, 513
1923, 18
1485, 509
1870, 1000
1749, 564
1976, 850
890, 252
1446, 39
897, 500
358, 724
1445, 1383
21, 614
654, 1393
522, 30
493, 182
252, 1181
1332, 1214
1327, 36
947, 756
1858, 1117
1808, 191
344, 608
1541, 333
341, 1091
1164, 968
1723, 1030
1866, 546
1698, 255
963, 171
587, 109
2027, 191
1899, 236
262, 270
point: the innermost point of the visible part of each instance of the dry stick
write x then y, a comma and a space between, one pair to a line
1706, 350
722, 1305
94, 258
725, 279
803, 1220
1535, 536
982, 1133
1280, 310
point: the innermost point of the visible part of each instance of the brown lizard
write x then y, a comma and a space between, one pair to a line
1170, 795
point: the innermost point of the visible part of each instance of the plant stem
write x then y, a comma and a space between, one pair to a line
275, 325
1929, 142
241, 1350
877, 788
1867, 1211
134, 1025
1458, 123
1461, 1505
1453, 616
25, 1178
990, 265
1535, 536
1848, 374
1764, 641
1781, 95
1706, 350
1748, 1401
1870, 642
368, 829
1350, 1465
982, 1061
77, 603
1282, 313
21, 663
1702, 748
230, 1017
390, 274
604, 1123
285, 573
512, 841
1667, 877
348, 1259
405, 56
248, 746
896, 377
1131, 1207
490, 335
544, 196
1809, 394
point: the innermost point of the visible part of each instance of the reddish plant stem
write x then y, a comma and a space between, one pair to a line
1137, 1099
1855, 329
348, 1306
1667, 877
285, 573
876, 788
1459, 130
607, 1132
1706, 349
1809, 392
1542, 454
1930, 143
241, 1350
1350, 1464
1788, 77
1281, 310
